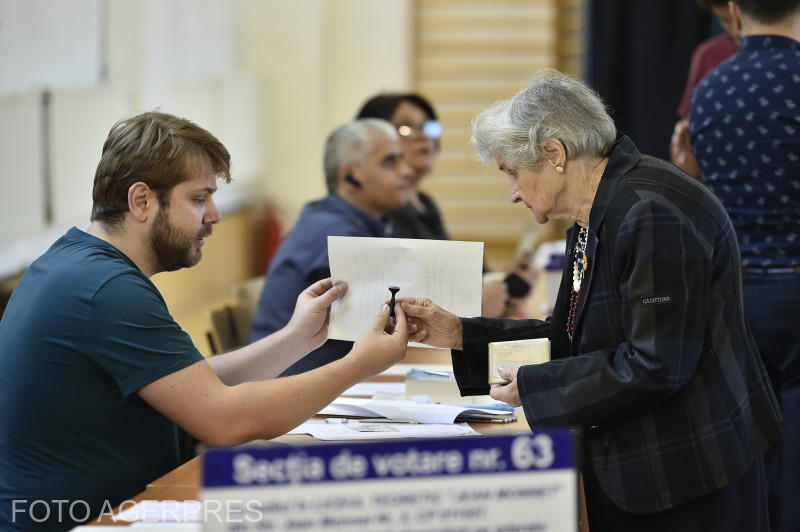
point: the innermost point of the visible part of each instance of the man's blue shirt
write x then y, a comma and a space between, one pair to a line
302, 260
745, 123
83, 331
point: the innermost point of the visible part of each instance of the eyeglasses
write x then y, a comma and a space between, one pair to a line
430, 128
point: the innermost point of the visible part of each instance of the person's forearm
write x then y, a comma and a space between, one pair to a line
265, 410
261, 360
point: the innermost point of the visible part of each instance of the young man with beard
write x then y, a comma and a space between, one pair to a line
94, 372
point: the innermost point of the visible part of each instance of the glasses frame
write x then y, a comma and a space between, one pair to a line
430, 128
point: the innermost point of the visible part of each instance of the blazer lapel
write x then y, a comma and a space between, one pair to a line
624, 157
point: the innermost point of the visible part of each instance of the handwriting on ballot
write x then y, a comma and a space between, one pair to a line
527, 481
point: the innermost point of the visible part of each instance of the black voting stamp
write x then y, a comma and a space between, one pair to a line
393, 290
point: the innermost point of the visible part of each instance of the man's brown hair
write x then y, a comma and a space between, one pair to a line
155, 148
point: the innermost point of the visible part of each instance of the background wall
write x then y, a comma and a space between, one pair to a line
270, 78
317, 61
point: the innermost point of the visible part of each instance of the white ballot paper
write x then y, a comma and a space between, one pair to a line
448, 272
420, 412
353, 430
162, 512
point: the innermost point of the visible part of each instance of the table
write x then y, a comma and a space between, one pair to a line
183, 482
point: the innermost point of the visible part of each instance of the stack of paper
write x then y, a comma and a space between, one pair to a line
410, 410
356, 430
440, 386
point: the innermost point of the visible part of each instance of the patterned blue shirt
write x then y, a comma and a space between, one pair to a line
745, 124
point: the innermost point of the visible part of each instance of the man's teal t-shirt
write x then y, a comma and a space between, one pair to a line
83, 331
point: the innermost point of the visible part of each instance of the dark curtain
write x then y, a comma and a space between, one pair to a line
638, 59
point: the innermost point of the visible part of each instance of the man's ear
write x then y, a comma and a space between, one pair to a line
736, 18
141, 201
554, 152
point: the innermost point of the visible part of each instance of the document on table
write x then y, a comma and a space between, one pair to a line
448, 272
163, 512
402, 409
160, 527
354, 430
371, 389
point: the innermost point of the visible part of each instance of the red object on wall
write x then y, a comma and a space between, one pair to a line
269, 235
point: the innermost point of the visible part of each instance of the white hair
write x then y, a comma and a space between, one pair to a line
552, 106
351, 144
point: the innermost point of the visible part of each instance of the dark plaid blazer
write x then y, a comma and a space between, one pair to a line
663, 374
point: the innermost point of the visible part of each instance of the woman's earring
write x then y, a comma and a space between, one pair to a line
559, 169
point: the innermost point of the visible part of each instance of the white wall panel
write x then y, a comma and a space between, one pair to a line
79, 124
50, 44
21, 165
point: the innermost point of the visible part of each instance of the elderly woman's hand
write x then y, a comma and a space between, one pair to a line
431, 324
508, 393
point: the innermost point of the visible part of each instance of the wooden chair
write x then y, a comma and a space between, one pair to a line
230, 329
230, 324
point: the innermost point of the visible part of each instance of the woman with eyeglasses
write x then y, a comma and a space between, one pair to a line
419, 130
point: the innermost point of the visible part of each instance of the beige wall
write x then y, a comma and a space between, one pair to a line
315, 61
270, 78
318, 60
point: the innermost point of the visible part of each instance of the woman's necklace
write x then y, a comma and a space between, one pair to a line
580, 265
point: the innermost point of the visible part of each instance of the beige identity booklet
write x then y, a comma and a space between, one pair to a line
516, 353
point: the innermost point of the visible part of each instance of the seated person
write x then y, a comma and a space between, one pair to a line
95, 372
420, 138
366, 178
420, 132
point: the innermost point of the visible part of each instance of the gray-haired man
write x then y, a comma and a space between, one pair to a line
366, 178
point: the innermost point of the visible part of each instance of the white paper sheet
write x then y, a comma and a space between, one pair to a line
163, 512
448, 272
401, 370
380, 431
172, 527
370, 389
419, 412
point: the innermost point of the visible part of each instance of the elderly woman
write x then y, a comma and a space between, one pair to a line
651, 354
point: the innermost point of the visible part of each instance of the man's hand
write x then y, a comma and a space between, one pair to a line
383, 344
494, 298
309, 323
508, 393
680, 149
432, 324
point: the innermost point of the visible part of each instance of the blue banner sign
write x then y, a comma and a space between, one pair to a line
514, 482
